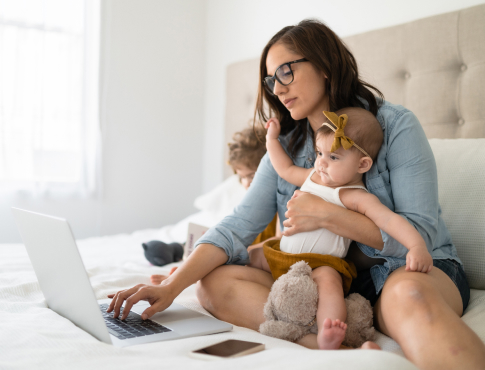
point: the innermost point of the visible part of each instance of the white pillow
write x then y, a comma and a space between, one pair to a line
461, 185
222, 200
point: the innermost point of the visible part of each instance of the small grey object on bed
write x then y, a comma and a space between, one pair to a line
292, 306
160, 254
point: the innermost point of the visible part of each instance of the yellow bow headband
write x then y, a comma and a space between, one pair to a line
340, 138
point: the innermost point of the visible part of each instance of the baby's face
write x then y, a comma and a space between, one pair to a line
339, 168
246, 175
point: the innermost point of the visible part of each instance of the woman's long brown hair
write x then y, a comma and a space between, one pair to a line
316, 42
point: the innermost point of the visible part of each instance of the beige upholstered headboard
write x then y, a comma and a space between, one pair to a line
433, 66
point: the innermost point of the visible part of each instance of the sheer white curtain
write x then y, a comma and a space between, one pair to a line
49, 127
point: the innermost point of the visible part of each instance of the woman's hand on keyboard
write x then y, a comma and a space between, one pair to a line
160, 297
204, 259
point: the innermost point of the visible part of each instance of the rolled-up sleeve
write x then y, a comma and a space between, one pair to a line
412, 182
238, 230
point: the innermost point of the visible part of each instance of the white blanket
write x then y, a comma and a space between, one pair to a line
33, 336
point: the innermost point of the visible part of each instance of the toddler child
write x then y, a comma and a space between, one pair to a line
245, 153
336, 178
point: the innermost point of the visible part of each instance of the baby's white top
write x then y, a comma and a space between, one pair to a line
321, 241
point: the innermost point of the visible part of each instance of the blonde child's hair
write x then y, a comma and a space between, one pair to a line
362, 127
247, 149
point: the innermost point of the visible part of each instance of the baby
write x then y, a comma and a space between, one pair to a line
336, 178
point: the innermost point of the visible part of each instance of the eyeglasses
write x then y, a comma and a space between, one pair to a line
283, 74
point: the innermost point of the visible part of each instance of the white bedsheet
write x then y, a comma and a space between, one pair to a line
34, 337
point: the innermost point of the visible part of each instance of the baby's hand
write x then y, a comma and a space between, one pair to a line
418, 259
273, 127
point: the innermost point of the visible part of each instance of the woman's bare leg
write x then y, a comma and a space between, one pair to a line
422, 313
236, 294
258, 260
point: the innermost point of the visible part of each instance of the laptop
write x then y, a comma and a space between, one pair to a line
64, 281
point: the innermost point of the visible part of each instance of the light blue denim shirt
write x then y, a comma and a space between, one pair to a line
403, 177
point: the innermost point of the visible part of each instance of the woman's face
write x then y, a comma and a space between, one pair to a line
305, 97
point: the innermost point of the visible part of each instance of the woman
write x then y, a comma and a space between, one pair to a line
306, 70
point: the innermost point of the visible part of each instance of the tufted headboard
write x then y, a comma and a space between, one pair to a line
433, 66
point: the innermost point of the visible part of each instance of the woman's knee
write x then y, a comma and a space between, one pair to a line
219, 286
413, 296
213, 287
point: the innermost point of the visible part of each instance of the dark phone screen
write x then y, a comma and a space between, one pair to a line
228, 348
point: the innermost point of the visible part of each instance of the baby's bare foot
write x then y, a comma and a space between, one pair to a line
157, 279
331, 334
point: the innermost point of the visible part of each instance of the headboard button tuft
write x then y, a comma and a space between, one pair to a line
407, 75
461, 121
463, 68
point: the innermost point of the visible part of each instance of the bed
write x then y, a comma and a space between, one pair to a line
434, 66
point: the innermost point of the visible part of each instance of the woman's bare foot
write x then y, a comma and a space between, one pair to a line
157, 279
370, 345
332, 334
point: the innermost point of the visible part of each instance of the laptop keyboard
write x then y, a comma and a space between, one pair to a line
133, 326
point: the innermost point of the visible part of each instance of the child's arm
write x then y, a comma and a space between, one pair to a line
281, 162
418, 257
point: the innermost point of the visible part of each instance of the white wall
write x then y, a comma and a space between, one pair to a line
163, 84
238, 30
152, 80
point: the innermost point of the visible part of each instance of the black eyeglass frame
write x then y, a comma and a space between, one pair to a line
275, 78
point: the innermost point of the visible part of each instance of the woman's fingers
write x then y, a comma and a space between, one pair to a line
158, 306
157, 296
144, 293
119, 298
289, 231
305, 213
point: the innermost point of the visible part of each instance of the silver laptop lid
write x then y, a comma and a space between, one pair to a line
60, 270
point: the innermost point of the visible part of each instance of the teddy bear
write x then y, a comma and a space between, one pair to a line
290, 311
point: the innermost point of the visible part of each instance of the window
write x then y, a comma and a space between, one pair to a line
49, 128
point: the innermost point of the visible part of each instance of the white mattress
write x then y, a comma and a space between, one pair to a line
33, 336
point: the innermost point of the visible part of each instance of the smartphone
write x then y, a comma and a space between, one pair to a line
228, 349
